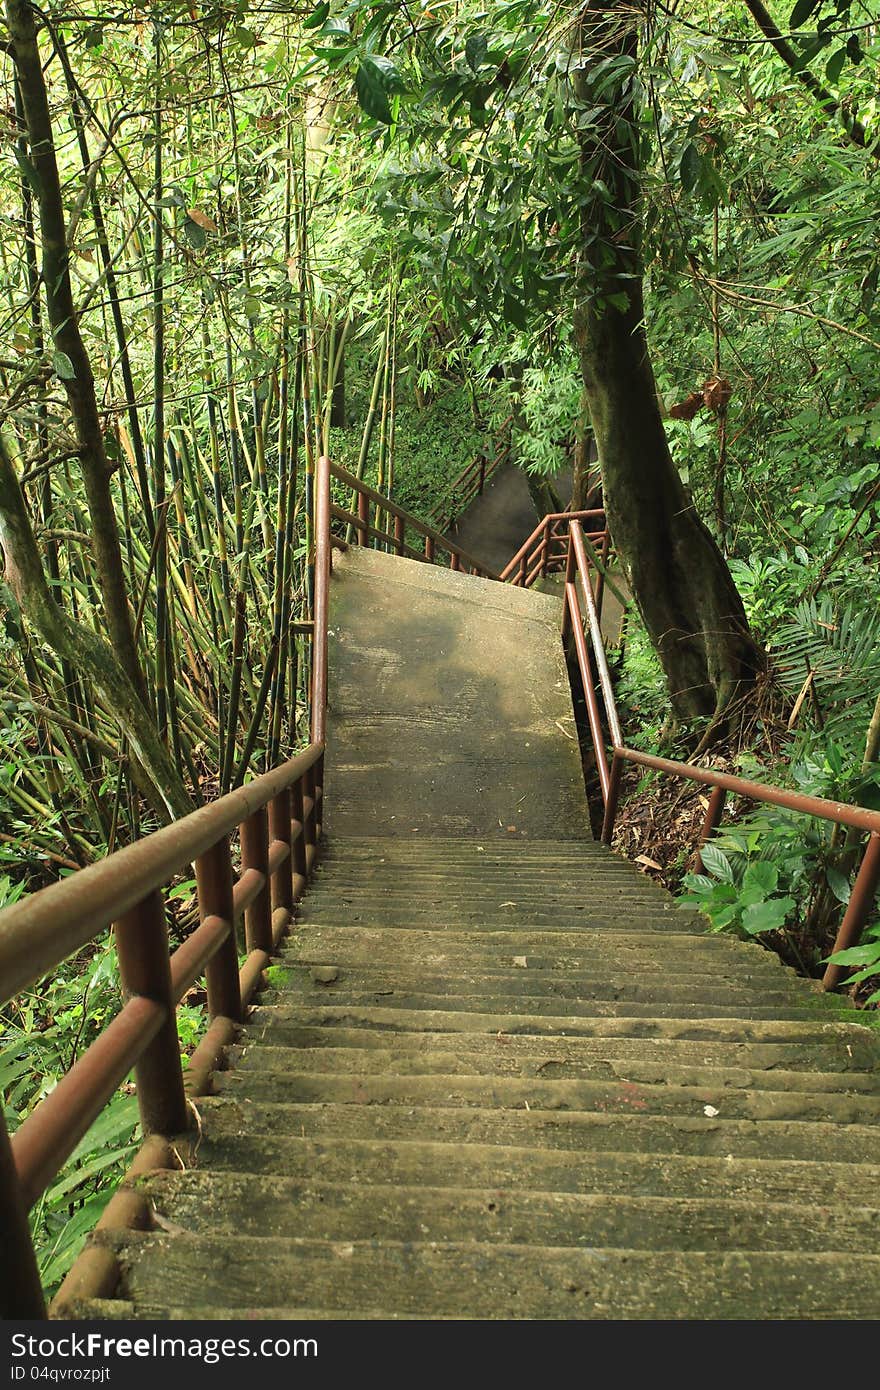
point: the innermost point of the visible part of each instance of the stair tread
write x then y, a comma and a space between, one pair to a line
498, 1281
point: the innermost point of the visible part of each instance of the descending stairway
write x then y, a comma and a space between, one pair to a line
496, 1072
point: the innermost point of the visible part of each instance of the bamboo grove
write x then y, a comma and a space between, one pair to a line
165, 391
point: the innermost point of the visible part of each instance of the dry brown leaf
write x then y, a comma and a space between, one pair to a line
202, 220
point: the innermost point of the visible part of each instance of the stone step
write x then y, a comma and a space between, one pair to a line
538, 1007
219, 1204
525, 1168
391, 1020
633, 922
355, 961
548, 1093
587, 1132
583, 950
491, 1281
351, 984
501, 1060
853, 1051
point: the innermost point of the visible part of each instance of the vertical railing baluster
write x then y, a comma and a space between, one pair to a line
398, 535
309, 836
21, 1295
214, 885
279, 829
711, 822
429, 548
569, 578
254, 834
455, 563
319, 796
545, 548
142, 950
600, 582
298, 840
861, 903
612, 798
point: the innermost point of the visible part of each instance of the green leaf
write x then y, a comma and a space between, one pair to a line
834, 66
766, 916
717, 862
376, 78
62, 366
689, 168
475, 51
801, 13
317, 17
29, 170
838, 883
857, 955
195, 235
763, 876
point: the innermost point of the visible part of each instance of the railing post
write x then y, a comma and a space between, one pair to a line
600, 581
545, 548
214, 884
398, 535
523, 571
455, 562
363, 505
21, 1295
711, 822
861, 901
279, 829
569, 579
254, 834
142, 950
429, 548
309, 830
298, 840
612, 798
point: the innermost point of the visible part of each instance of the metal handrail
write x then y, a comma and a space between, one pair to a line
278, 817
840, 813
521, 567
460, 558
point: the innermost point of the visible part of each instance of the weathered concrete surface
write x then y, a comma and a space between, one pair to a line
495, 524
450, 709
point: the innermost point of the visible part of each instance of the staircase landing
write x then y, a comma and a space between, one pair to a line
449, 706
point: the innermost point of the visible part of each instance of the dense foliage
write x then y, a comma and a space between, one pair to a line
362, 227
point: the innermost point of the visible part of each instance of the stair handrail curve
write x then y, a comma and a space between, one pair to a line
372, 505
583, 630
278, 818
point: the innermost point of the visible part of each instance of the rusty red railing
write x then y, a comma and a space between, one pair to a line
583, 629
366, 526
546, 549
277, 818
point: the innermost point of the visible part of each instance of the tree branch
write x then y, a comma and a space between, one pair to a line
853, 127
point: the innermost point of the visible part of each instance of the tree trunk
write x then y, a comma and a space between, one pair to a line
72, 361
676, 573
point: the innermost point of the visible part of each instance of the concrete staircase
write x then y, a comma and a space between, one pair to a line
496, 1072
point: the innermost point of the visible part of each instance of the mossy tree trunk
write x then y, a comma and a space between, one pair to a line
676, 572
